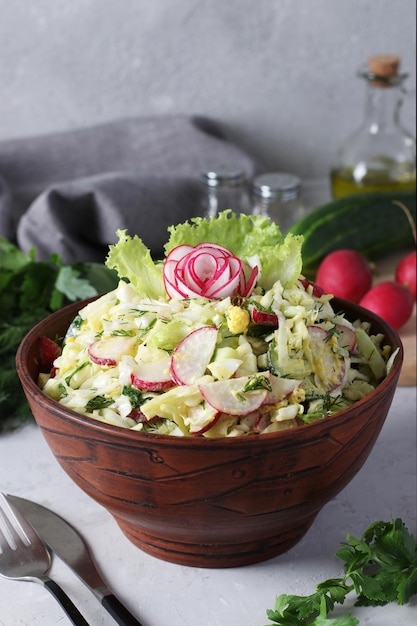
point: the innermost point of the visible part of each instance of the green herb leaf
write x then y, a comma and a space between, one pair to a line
75, 371
69, 283
380, 567
257, 382
29, 291
135, 396
98, 402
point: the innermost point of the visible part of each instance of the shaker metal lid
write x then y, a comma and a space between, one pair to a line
217, 174
277, 185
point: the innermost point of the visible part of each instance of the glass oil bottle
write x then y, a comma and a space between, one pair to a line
381, 154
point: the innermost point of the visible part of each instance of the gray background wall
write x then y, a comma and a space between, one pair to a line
278, 74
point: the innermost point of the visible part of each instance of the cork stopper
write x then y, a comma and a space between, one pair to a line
386, 65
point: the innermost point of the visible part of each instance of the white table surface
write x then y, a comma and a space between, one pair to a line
162, 593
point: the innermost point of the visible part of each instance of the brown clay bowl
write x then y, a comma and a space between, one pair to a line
210, 502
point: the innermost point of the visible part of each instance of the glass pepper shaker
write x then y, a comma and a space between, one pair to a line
225, 187
380, 155
277, 195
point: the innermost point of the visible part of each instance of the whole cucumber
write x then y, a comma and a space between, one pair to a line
370, 223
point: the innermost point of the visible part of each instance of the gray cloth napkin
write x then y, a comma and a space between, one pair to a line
69, 192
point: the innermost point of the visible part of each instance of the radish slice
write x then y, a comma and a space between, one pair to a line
49, 350
152, 370
316, 290
192, 355
109, 351
170, 265
280, 388
178, 252
170, 281
137, 416
264, 318
330, 368
208, 271
263, 420
201, 418
151, 377
228, 396
346, 337
206, 274
318, 333
246, 290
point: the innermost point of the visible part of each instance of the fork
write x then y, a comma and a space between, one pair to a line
24, 556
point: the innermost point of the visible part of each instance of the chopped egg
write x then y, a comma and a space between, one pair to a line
237, 320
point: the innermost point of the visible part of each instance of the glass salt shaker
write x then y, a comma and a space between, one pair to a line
225, 187
277, 195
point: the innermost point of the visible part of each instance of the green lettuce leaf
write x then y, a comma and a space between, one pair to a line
281, 262
254, 239
132, 260
247, 236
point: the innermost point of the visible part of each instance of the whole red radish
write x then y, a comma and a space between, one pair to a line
345, 274
405, 272
391, 301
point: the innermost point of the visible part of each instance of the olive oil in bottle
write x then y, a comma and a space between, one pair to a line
380, 155
343, 182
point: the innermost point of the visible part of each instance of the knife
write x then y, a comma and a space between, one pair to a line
71, 548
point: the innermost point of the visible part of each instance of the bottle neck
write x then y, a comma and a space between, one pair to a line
382, 107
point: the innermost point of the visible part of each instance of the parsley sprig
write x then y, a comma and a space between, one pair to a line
29, 291
380, 567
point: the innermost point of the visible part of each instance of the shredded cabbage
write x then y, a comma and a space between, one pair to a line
276, 359
108, 392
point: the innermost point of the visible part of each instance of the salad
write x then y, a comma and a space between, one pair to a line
222, 338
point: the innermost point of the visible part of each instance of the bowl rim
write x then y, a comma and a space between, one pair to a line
30, 385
